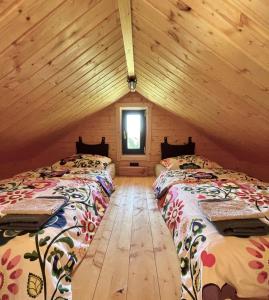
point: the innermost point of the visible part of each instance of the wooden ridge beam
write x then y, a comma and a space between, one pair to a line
127, 34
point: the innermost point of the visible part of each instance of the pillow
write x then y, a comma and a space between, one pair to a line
83, 161
188, 162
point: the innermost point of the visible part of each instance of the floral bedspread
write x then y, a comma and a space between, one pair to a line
214, 266
169, 178
39, 265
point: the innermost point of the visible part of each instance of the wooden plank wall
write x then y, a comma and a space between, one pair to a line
164, 123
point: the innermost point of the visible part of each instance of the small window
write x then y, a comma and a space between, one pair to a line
133, 131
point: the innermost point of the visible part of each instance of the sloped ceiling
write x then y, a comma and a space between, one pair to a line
207, 61
60, 60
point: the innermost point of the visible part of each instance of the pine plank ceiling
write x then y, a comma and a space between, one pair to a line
205, 60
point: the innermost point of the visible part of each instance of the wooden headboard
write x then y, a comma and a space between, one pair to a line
100, 149
169, 150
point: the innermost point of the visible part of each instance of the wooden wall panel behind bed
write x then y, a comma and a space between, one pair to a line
103, 123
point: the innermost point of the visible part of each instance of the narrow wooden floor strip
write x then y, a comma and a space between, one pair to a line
132, 255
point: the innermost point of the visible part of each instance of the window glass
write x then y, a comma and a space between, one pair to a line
133, 131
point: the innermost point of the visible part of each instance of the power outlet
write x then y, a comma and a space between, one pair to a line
134, 164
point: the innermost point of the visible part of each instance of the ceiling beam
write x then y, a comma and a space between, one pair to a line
127, 34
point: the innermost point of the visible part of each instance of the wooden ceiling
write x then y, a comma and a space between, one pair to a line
60, 60
205, 60
208, 61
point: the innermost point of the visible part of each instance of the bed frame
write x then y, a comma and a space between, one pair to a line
100, 149
169, 150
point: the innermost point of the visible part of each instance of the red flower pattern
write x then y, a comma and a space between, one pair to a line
174, 213
89, 225
15, 196
201, 197
7, 286
251, 195
245, 191
260, 263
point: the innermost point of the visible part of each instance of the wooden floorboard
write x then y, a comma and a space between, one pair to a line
132, 255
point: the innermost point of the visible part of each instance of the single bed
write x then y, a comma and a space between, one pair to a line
213, 266
99, 149
40, 264
169, 150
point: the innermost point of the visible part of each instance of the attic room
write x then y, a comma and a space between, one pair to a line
134, 159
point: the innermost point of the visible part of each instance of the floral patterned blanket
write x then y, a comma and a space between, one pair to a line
214, 266
169, 178
39, 265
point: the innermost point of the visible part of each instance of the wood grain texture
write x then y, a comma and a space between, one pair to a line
132, 171
206, 61
132, 255
163, 123
127, 34
57, 67
208, 64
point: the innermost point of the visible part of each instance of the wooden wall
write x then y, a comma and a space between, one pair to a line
164, 123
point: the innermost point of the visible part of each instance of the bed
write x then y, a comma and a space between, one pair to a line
169, 150
99, 149
213, 266
40, 264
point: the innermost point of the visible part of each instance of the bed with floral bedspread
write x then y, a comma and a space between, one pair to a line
39, 265
214, 266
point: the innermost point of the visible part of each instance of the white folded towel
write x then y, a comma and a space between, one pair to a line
35, 206
230, 209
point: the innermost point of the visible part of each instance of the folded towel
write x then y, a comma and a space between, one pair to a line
24, 222
31, 214
230, 209
242, 228
35, 206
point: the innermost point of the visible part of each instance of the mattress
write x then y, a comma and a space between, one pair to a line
159, 169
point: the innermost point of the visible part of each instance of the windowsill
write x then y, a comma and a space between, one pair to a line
133, 157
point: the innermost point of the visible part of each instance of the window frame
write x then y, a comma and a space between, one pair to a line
124, 141
133, 106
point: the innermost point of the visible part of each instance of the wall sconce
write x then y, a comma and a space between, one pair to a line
132, 83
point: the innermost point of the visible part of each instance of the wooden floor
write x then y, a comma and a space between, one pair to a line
132, 255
